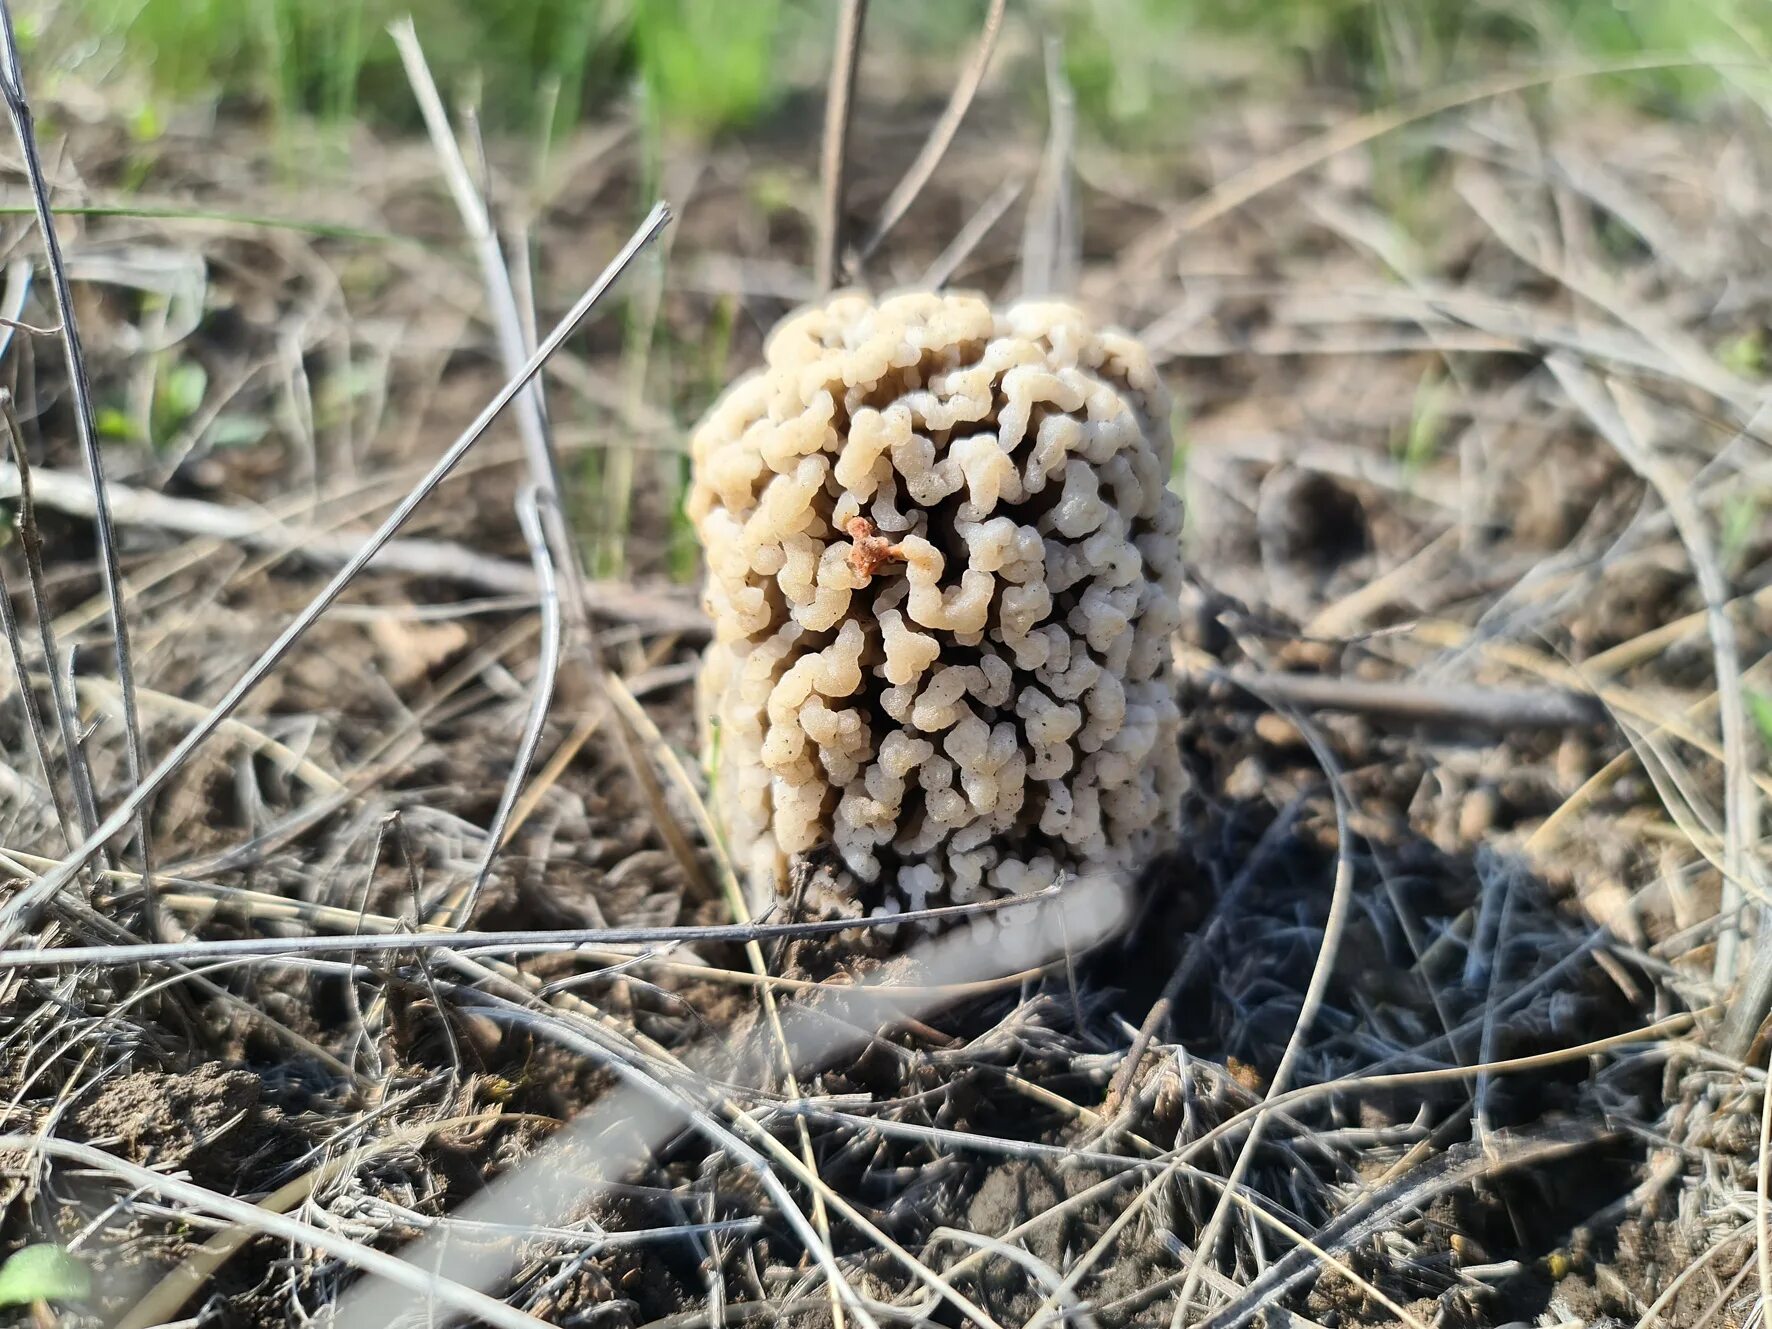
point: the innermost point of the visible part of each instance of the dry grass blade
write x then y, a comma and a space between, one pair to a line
1490, 200
625, 1126
25, 904
1496, 709
1721, 1246
358, 925
1070, 1310
1622, 701
1050, 243
834, 159
255, 529
1301, 1245
27, 700
547, 666
852, 1215
635, 719
645, 752
440, 937
551, 771
18, 107
13, 325
1340, 904
167, 1297
1297, 1268
1347, 616
544, 470
429, 1287
12, 90
100, 693
1383, 1083
72, 831
905, 192
600, 1144
1383, 1210
1256, 180
201, 898
1762, 1199
1560, 821
1621, 419
1648, 645
980, 224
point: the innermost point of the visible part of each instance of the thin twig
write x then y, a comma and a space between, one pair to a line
1620, 417
544, 470
1340, 904
27, 902
1499, 709
547, 666
833, 163
533, 941
256, 529
935, 147
12, 91
429, 1287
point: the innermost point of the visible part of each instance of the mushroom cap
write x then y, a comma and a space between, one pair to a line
943, 569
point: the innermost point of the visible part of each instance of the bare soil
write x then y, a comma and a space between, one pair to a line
1391, 493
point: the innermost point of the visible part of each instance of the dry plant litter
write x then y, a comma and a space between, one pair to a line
1442, 1008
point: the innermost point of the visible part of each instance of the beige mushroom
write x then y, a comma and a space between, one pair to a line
943, 569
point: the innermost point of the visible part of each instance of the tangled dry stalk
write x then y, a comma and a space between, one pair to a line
1423, 1018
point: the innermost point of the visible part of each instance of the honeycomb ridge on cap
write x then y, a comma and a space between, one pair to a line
943, 571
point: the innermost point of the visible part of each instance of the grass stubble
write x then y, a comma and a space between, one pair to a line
1271, 1178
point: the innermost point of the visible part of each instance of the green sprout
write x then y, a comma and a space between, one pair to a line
37, 1275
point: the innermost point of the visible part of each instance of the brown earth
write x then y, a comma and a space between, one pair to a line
1388, 489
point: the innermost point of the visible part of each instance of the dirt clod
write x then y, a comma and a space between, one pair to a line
170, 1120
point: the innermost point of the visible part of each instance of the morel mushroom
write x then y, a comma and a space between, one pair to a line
943, 571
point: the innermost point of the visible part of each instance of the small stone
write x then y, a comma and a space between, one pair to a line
1476, 816
1247, 781
1574, 763
1277, 731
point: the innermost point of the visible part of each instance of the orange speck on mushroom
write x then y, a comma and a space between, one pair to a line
944, 568
871, 548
